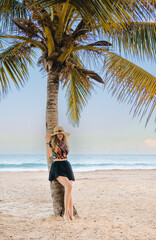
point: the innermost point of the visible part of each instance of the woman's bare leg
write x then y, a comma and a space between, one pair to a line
68, 188
71, 205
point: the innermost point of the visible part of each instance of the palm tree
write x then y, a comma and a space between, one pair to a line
67, 31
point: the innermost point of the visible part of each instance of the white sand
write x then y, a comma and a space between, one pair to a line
112, 204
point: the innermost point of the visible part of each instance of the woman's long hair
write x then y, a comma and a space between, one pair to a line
55, 140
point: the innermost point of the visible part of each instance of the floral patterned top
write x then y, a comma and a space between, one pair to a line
62, 150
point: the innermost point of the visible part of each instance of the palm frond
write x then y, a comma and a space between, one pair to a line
139, 40
2, 43
130, 83
90, 74
14, 65
36, 43
50, 40
77, 61
73, 61
77, 92
111, 14
61, 24
28, 28
94, 54
81, 29
72, 20
100, 43
10, 9
72, 49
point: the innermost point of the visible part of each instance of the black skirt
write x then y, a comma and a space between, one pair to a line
61, 168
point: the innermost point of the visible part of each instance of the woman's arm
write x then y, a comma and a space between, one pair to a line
48, 144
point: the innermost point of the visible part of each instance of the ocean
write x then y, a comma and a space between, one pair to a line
79, 162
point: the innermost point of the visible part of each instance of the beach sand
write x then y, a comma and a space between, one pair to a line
112, 204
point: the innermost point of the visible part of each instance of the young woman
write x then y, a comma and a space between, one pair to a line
61, 169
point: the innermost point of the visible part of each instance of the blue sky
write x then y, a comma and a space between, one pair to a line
106, 127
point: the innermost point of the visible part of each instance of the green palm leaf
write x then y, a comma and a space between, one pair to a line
130, 83
108, 13
78, 89
127, 81
14, 65
10, 9
139, 40
35, 43
91, 74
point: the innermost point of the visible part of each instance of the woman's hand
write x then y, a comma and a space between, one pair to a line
49, 150
47, 137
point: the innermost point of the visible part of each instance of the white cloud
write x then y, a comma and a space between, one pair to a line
149, 143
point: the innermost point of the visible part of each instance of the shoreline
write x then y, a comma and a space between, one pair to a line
89, 171
112, 204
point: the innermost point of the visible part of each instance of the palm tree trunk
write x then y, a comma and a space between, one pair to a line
57, 190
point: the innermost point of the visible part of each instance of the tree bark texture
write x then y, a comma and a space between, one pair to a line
57, 190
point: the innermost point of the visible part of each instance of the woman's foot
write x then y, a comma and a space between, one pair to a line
72, 217
66, 218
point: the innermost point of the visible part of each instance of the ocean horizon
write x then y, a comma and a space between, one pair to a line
79, 162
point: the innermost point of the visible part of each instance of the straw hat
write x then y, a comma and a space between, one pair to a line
58, 130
